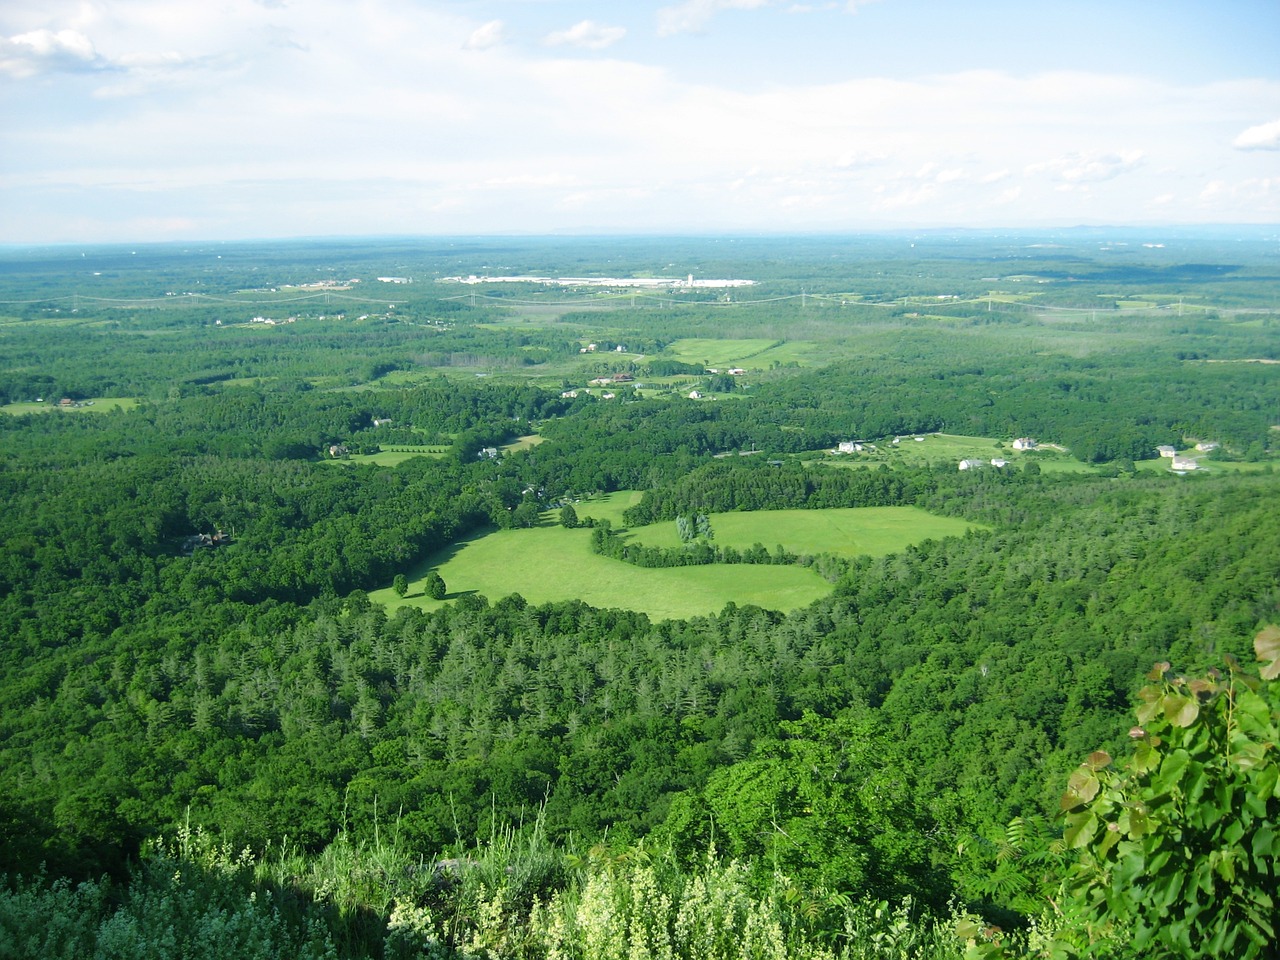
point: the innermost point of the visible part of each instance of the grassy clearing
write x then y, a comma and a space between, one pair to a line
933, 448
550, 563
526, 442
94, 405
609, 506
873, 531
740, 353
395, 455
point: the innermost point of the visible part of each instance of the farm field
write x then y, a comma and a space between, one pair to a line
745, 353
854, 531
549, 563
92, 405
935, 448
396, 455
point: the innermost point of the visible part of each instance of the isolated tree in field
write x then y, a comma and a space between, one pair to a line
569, 517
435, 587
400, 584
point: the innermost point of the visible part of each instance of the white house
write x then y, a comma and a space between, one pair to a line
695, 395
971, 464
1024, 443
1204, 446
997, 462
1183, 463
849, 446
1166, 451
736, 371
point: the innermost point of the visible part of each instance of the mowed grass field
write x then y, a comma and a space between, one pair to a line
934, 448
549, 563
739, 353
870, 531
95, 405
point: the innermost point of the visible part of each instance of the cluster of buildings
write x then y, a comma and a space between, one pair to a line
652, 283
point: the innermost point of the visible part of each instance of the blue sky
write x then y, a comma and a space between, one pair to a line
134, 120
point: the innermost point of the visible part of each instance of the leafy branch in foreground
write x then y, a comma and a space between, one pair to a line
1177, 855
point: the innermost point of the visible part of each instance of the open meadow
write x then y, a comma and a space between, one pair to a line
851, 531
549, 563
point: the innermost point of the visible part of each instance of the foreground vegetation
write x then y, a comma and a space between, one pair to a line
220, 723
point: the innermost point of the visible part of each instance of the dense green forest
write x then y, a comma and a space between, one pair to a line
205, 723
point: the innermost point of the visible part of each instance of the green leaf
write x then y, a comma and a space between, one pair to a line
1139, 824
1267, 644
1081, 788
1098, 760
1181, 711
1174, 765
1080, 829
1145, 758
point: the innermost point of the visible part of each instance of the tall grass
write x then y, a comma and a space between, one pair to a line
511, 895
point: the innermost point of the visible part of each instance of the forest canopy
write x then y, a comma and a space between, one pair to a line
199, 503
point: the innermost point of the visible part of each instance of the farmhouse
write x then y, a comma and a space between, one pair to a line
1166, 451
849, 446
695, 395
1205, 446
971, 464
1183, 463
998, 462
1024, 443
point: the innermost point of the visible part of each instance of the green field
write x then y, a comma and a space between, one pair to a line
396, 454
550, 563
94, 405
934, 448
873, 531
739, 353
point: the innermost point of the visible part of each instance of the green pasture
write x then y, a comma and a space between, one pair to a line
94, 405
934, 448
395, 454
549, 563
873, 531
750, 353
527, 442
609, 506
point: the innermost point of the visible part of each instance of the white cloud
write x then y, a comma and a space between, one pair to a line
210, 113
44, 50
1086, 168
1265, 136
486, 37
587, 34
693, 15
